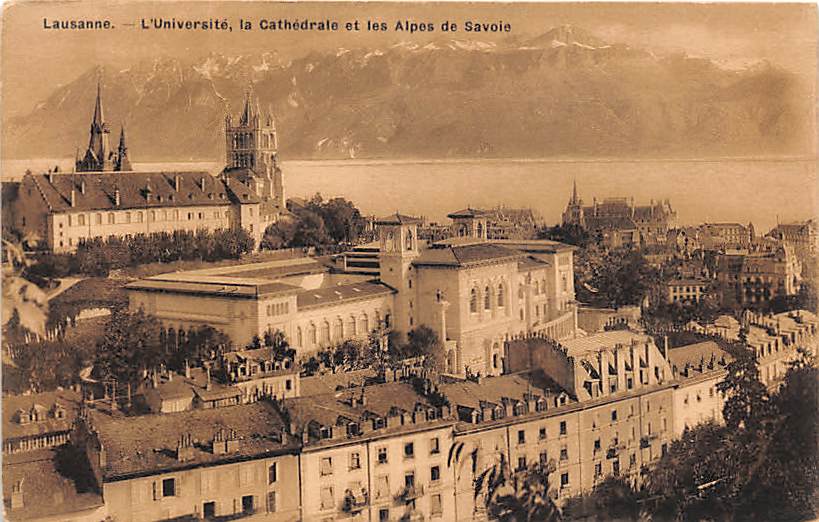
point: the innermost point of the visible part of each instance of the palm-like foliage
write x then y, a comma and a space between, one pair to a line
517, 495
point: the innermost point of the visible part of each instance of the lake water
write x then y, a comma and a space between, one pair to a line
739, 191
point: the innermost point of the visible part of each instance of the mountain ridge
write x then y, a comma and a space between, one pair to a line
563, 93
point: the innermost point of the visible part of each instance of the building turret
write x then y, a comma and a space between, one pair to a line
398, 247
122, 163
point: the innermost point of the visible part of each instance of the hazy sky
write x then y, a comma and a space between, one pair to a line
35, 60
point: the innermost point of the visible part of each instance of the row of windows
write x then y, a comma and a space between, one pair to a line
326, 465
488, 298
139, 216
278, 309
340, 329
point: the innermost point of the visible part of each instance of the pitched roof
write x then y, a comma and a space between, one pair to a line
609, 222
44, 402
469, 213
466, 255
693, 354
97, 190
335, 294
147, 444
397, 219
47, 494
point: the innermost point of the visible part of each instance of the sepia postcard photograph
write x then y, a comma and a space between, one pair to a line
409, 261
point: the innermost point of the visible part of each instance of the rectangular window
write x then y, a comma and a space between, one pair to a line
521, 437
436, 508
613, 415
615, 467
598, 470
409, 450
563, 429
434, 446
272, 474
383, 515
521, 463
544, 457
596, 445
271, 501
564, 480
435, 473
382, 487
382, 455
327, 498
632, 460
541, 434
564, 453
169, 487
326, 467
355, 460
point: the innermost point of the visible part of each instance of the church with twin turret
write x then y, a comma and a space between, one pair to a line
104, 196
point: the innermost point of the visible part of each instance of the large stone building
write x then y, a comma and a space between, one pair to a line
621, 223
104, 197
754, 279
473, 292
801, 235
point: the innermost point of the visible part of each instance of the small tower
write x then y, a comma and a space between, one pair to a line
398, 247
470, 222
121, 162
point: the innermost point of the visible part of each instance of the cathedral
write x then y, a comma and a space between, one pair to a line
105, 197
99, 157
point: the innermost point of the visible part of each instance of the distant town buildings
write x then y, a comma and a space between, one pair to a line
754, 279
620, 223
105, 197
801, 235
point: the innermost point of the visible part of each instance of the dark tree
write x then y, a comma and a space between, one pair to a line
129, 346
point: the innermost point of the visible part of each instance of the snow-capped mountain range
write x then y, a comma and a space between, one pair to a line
564, 93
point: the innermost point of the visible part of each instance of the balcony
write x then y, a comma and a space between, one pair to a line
355, 501
410, 492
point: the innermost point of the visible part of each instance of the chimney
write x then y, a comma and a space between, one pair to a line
50, 176
117, 199
184, 448
82, 186
207, 384
177, 182
73, 198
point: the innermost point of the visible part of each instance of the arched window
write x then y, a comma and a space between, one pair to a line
111, 218
409, 240
487, 298
501, 296
495, 360
520, 291
312, 335
338, 329
81, 219
299, 340
98, 219
473, 300
325, 332
365, 324
480, 229
351, 327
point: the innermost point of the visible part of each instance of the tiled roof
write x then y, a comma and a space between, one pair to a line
599, 341
380, 400
397, 219
323, 384
69, 400
493, 389
469, 213
97, 191
227, 287
147, 443
466, 255
47, 495
695, 353
336, 294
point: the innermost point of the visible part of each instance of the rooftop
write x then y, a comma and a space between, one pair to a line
44, 403
466, 255
596, 342
330, 295
697, 353
397, 219
46, 493
146, 444
98, 190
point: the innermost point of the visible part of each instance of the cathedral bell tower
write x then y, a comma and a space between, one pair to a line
252, 144
98, 156
398, 247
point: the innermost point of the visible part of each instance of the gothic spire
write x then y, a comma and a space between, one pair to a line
574, 192
99, 117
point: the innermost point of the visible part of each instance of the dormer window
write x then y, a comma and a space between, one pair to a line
326, 432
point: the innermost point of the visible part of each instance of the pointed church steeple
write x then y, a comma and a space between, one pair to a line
250, 111
98, 156
122, 162
574, 192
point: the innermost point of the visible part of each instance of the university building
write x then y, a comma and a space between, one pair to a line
105, 197
475, 293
